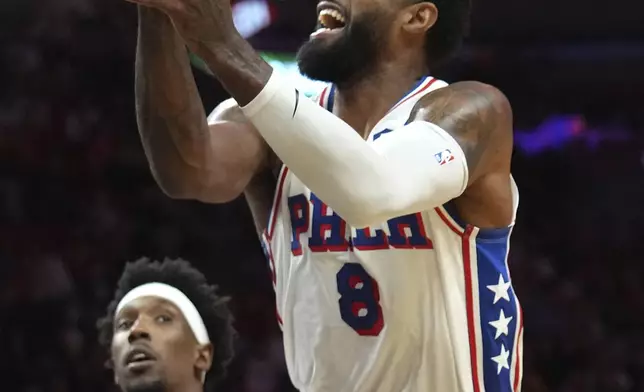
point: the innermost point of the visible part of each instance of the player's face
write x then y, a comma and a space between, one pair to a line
154, 347
348, 40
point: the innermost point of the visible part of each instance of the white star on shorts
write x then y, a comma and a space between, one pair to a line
500, 290
502, 360
501, 325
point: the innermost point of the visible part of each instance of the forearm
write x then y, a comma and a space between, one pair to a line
170, 115
238, 67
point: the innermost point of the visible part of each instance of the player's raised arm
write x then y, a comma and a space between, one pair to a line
417, 167
189, 159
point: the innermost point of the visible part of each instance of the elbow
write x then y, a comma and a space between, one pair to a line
188, 185
176, 193
173, 186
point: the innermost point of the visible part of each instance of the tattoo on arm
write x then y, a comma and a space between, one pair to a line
479, 118
168, 106
239, 68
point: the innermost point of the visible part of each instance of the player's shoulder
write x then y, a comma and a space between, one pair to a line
478, 116
467, 103
481, 94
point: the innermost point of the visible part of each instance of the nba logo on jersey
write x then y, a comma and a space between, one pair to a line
444, 157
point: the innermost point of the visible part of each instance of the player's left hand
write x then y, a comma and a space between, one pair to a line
199, 22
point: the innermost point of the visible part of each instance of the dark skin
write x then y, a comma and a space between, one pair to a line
216, 163
157, 327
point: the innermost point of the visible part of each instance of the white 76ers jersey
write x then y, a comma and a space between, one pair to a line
420, 303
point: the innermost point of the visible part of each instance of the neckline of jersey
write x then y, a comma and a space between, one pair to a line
416, 88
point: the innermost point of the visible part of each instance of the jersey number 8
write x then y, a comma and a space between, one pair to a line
359, 300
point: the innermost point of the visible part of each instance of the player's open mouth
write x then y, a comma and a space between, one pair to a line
139, 359
330, 18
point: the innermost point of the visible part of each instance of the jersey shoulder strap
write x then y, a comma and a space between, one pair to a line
325, 97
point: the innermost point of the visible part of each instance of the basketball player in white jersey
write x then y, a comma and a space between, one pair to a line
389, 231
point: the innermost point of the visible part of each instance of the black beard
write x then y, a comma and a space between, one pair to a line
349, 58
154, 386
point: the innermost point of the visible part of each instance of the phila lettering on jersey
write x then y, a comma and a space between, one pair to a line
419, 303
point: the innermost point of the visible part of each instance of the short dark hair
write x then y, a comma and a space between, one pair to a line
181, 275
447, 34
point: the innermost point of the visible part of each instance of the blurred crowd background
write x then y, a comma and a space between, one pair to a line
77, 199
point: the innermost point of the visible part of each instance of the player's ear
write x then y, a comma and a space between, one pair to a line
419, 17
203, 359
109, 364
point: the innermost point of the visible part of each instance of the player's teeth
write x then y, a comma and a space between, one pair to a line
332, 13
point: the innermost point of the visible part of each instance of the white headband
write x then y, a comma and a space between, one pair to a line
179, 299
